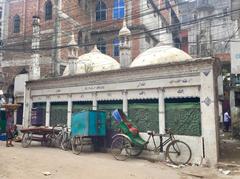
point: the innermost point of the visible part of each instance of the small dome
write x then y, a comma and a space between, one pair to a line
124, 30
95, 61
160, 55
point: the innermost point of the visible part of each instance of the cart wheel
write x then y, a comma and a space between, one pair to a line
178, 152
27, 139
77, 144
121, 148
136, 150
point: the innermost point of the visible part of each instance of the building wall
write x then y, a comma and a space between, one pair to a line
75, 16
209, 37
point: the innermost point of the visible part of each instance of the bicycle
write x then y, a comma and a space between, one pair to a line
130, 143
178, 152
54, 139
66, 138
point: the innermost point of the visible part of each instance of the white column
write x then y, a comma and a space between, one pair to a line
15, 117
48, 105
94, 101
161, 110
26, 107
125, 102
69, 116
209, 115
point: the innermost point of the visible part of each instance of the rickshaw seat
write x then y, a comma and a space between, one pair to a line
123, 117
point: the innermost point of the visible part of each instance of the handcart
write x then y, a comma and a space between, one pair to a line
129, 142
40, 134
86, 126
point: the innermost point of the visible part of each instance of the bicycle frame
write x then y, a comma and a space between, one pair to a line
162, 142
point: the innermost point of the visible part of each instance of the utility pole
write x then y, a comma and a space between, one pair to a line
56, 40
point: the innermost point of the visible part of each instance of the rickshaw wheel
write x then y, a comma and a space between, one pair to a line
77, 144
27, 139
121, 148
136, 150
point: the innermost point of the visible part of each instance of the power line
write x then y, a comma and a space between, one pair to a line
219, 15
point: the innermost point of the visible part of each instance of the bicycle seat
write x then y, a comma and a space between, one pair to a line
150, 132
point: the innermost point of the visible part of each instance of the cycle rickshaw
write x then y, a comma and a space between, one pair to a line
129, 143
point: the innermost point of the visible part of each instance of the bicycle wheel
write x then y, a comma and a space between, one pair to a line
178, 152
77, 145
136, 150
27, 139
121, 148
64, 142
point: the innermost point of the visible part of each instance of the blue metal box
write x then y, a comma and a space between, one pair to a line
89, 123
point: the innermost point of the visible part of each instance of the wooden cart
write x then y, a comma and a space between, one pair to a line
44, 135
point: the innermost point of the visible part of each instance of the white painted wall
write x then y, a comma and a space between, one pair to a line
19, 84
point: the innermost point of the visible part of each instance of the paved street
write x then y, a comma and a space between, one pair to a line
29, 163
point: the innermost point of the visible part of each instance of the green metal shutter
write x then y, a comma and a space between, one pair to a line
58, 113
79, 106
183, 116
144, 114
108, 107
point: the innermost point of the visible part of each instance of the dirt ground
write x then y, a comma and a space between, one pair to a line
30, 163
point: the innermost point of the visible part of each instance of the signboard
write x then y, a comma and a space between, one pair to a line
235, 6
235, 57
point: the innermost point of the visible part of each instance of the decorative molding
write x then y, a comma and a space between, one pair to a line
206, 72
207, 101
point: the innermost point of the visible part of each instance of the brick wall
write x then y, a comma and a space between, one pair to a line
83, 13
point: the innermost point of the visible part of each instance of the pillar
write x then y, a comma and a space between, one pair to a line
69, 115
94, 95
27, 107
125, 102
48, 105
209, 115
161, 109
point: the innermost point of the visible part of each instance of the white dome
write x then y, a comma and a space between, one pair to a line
160, 55
94, 61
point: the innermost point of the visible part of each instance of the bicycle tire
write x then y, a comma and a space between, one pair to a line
64, 143
121, 148
77, 145
182, 152
136, 150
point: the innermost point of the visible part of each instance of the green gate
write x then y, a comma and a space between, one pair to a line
183, 116
79, 106
144, 114
58, 113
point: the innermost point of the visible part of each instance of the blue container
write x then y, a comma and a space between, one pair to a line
89, 123
3, 137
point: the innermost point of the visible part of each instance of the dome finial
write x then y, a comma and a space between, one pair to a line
124, 30
72, 41
95, 49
